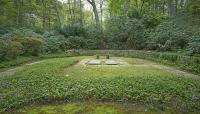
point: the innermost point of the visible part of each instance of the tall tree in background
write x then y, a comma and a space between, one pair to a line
95, 11
171, 9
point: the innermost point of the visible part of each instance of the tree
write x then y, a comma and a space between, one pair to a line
95, 11
171, 9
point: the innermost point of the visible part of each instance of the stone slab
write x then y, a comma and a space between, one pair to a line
94, 62
111, 62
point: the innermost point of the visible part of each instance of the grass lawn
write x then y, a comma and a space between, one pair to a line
57, 80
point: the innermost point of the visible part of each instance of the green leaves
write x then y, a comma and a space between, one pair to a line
46, 82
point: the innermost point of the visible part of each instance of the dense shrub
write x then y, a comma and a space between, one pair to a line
9, 49
135, 30
73, 30
54, 43
152, 19
75, 42
31, 46
125, 33
168, 37
21, 33
194, 45
194, 7
94, 38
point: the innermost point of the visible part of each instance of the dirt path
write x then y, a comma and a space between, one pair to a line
176, 71
14, 70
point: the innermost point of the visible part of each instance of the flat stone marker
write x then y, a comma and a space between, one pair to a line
111, 62
94, 62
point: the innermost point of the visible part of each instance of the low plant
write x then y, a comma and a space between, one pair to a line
47, 82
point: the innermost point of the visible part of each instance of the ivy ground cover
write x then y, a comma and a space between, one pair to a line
60, 80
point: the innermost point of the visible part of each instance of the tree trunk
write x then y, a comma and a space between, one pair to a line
17, 4
176, 6
44, 14
171, 8
126, 7
81, 12
101, 8
95, 11
58, 16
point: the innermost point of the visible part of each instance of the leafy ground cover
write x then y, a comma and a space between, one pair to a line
54, 80
28, 59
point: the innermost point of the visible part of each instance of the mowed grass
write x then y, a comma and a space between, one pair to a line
57, 80
91, 107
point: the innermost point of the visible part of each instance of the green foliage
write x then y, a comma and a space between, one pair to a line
46, 82
16, 62
9, 49
75, 42
194, 7
194, 45
124, 33
20, 33
151, 20
168, 37
31, 46
54, 43
73, 30
94, 37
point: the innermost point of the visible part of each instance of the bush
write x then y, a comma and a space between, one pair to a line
194, 46
31, 46
21, 33
152, 19
9, 50
54, 43
73, 30
75, 42
168, 37
125, 33
194, 6
94, 38
135, 32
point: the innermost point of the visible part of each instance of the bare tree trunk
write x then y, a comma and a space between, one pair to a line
81, 12
58, 15
101, 8
163, 7
74, 8
44, 14
126, 7
17, 4
176, 6
181, 3
171, 8
95, 11
141, 8
70, 10
49, 17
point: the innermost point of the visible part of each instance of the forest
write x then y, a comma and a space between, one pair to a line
99, 56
